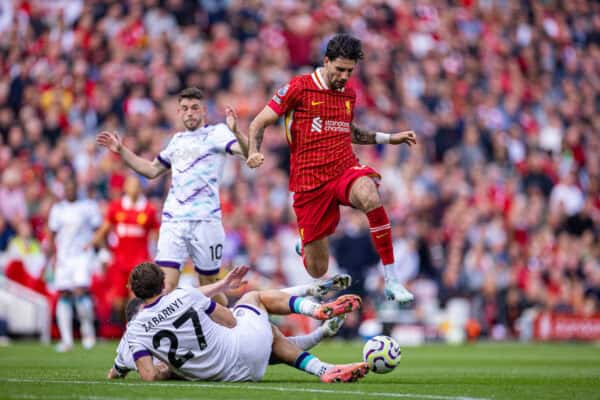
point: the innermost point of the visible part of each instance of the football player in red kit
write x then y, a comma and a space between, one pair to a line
324, 171
132, 218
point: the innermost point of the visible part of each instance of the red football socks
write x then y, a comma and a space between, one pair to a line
381, 232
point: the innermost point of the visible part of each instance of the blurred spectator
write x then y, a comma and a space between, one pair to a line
499, 202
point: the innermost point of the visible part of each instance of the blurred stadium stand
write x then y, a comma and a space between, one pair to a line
499, 204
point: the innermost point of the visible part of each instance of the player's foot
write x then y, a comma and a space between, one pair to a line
88, 342
345, 373
63, 347
333, 325
335, 284
397, 291
341, 305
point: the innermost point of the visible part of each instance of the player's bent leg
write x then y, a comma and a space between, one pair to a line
281, 303
285, 351
253, 299
365, 196
172, 274
316, 257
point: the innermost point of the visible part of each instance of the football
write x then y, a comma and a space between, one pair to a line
382, 353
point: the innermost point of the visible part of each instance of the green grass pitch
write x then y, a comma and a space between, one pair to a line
29, 371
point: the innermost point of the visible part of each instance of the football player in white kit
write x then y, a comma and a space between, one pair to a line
191, 217
124, 362
202, 340
71, 226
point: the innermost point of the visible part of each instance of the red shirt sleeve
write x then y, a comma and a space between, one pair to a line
286, 98
111, 213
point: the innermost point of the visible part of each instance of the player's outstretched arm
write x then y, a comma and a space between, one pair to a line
365, 136
255, 135
113, 142
240, 148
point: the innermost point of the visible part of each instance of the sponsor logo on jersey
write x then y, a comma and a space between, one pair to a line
317, 125
316, 103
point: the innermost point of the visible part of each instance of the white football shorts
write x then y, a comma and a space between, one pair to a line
202, 241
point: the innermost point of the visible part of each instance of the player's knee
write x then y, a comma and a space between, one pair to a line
252, 297
365, 195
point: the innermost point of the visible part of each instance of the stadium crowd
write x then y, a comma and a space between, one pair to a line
499, 203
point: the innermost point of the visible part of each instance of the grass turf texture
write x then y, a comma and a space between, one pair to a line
432, 372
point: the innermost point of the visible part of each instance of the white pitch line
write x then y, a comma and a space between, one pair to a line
251, 387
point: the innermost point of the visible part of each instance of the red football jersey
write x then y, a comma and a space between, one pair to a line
317, 126
131, 225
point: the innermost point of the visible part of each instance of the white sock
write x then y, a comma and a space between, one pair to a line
300, 290
64, 318
85, 312
388, 272
311, 364
308, 341
302, 305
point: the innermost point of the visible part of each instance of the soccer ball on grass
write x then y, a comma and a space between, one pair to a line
382, 353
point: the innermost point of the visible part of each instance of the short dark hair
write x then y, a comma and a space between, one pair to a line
191, 93
344, 46
147, 280
132, 308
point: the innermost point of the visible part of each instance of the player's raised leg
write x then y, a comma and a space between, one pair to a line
316, 257
280, 303
365, 196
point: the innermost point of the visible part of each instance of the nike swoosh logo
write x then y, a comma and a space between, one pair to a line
380, 236
316, 103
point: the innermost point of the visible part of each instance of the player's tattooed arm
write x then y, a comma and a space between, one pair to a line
255, 135
362, 136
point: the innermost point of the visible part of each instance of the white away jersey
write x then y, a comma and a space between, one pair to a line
196, 160
74, 224
177, 329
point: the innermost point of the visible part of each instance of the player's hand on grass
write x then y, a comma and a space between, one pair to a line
234, 279
255, 160
231, 118
408, 137
113, 374
110, 140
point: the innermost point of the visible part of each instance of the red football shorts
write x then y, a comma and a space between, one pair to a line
318, 210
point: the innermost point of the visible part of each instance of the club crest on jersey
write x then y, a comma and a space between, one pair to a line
348, 107
281, 92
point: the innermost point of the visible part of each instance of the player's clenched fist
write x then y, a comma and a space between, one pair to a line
255, 160
110, 140
408, 137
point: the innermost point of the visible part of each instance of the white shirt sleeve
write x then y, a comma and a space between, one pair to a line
204, 303
137, 348
54, 219
95, 217
166, 156
223, 138
124, 359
